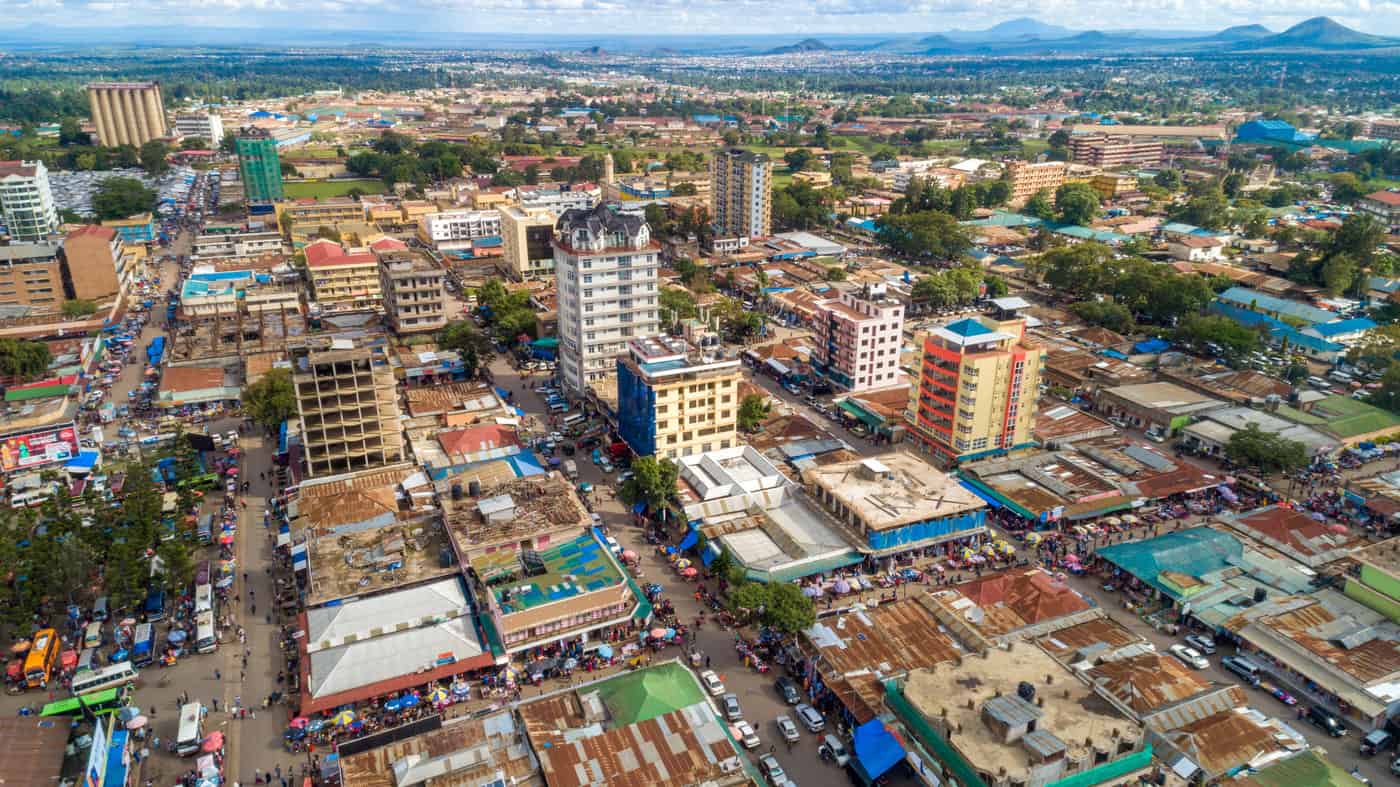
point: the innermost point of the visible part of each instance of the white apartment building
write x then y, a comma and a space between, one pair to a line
456, 229
206, 125
237, 244
556, 200
741, 188
26, 203
605, 267
858, 337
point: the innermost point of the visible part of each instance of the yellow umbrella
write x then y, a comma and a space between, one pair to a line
343, 718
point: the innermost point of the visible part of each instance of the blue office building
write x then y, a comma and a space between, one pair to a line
674, 400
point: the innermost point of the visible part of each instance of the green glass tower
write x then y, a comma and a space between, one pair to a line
259, 166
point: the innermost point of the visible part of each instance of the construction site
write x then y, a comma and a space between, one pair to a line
491, 523
237, 329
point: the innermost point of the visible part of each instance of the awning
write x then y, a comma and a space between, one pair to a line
861, 414
690, 540
1099, 507
708, 555
876, 749
778, 366
986, 498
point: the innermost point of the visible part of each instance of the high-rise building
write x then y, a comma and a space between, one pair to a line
741, 193
348, 401
978, 385
26, 203
127, 113
96, 263
1027, 179
205, 125
527, 238
258, 165
411, 281
674, 400
858, 337
1105, 150
605, 266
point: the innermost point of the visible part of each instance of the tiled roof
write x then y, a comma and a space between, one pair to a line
1391, 198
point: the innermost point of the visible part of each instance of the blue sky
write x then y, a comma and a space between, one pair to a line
700, 16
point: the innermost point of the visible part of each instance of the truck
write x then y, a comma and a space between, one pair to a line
571, 469
143, 645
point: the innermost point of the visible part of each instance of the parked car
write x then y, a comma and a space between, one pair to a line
834, 750
1375, 742
1242, 667
744, 732
787, 689
772, 770
787, 728
1202, 643
1326, 722
1283, 696
1189, 656
810, 718
732, 711
713, 684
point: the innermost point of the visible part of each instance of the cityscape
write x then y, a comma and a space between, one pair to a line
699, 395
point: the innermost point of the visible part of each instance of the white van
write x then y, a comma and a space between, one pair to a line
205, 639
33, 497
191, 730
119, 674
203, 599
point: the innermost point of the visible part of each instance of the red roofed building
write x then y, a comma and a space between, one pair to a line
1385, 206
1295, 534
341, 281
1003, 603
479, 443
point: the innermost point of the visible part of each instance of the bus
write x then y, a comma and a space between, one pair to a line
203, 598
43, 655
99, 703
119, 674
205, 481
205, 639
191, 731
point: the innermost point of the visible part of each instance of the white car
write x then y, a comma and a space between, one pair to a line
744, 732
713, 684
787, 728
1190, 657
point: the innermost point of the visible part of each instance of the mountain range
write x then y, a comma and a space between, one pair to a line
1023, 36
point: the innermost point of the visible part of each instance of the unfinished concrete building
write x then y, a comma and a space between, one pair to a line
349, 409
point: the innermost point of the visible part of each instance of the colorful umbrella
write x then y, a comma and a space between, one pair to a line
408, 701
628, 554
605, 651
233, 471
689, 572
299, 723
841, 586
658, 633
438, 696
136, 723
967, 553
316, 725
226, 539
682, 563
343, 718
213, 743
22, 646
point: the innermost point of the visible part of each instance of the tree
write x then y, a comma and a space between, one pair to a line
676, 305
1358, 237
153, 157
1077, 203
23, 359
996, 286
194, 143
835, 273
117, 198
797, 158
78, 308
1338, 272
1234, 339
1346, 188
1388, 395
1377, 348
1080, 269
1251, 446
777, 605
752, 411
474, 346
1040, 206
927, 233
70, 132
1209, 208
686, 189
178, 565
653, 482
1105, 314
1168, 179
272, 399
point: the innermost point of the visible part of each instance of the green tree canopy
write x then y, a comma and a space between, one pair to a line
1234, 339
23, 359
1253, 447
474, 346
929, 234
117, 198
1105, 314
653, 482
153, 157
272, 399
752, 411
1077, 203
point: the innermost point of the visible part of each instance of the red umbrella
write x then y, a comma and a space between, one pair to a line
213, 743
233, 471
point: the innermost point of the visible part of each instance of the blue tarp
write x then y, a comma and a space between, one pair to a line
525, 464
1151, 346
116, 759
708, 555
991, 501
639, 508
83, 462
876, 750
692, 537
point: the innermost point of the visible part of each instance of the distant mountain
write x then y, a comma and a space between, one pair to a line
1012, 30
1242, 33
805, 45
594, 51
1321, 32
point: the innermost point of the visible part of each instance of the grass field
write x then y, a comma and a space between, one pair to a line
321, 189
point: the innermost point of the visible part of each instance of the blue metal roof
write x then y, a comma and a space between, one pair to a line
1340, 327
968, 327
1258, 301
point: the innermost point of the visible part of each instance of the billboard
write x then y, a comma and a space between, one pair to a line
96, 769
38, 448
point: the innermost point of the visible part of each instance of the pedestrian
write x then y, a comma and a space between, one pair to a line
215, 702
279, 770
218, 675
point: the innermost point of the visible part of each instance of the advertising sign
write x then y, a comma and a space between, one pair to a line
38, 448
96, 769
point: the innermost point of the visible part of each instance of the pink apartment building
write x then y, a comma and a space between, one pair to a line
858, 338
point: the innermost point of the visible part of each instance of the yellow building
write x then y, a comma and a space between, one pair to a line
410, 211
341, 281
978, 385
1112, 184
1027, 179
818, 179
674, 401
300, 219
382, 212
485, 200
527, 237
127, 113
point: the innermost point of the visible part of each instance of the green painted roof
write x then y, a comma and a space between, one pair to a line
1194, 553
1347, 417
639, 696
1308, 769
44, 392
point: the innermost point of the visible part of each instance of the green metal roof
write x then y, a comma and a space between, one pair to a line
807, 569
1115, 769
635, 697
1308, 769
43, 392
1194, 553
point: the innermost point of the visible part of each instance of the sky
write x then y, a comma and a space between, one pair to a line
613, 17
